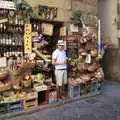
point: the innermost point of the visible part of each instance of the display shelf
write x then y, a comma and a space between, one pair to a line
11, 32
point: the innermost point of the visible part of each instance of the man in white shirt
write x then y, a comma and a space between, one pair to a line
59, 60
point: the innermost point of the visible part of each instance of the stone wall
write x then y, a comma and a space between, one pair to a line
108, 13
111, 64
63, 6
86, 6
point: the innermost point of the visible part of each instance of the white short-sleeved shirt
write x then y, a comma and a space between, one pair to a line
59, 56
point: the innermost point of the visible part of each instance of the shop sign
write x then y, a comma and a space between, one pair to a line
71, 37
63, 31
47, 29
27, 39
7, 5
89, 19
34, 34
74, 28
47, 12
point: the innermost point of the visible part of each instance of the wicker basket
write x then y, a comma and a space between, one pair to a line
5, 87
3, 75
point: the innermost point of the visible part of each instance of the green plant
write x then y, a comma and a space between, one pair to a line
24, 6
76, 17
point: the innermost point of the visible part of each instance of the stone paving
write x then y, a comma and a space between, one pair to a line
101, 107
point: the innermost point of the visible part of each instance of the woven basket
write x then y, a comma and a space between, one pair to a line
3, 75
5, 87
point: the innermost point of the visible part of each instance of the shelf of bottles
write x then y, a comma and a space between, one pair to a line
11, 33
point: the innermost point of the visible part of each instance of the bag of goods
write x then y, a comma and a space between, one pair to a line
89, 45
82, 66
85, 77
48, 82
99, 74
82, 52
88, 59
27, 81
92, 68
78, 80
94, 53
4, 74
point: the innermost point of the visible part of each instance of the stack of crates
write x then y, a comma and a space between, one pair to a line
100, 86
52, 97
82, 89
3, 108
15, 106
88, 87
95, 87
30, 103
74, 91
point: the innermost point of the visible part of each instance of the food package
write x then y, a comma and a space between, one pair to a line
92, 68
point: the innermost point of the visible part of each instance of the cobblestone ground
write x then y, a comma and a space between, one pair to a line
102, 107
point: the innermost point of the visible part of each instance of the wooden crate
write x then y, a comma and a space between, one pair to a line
73, 91
15, 106
43, 97
30, 103
3, 108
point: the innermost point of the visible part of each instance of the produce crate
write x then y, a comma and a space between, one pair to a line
73, 91
3, 108
52, 97
15, 106
82, 89
96, 87
94, 84
100, 86
30, 103
88, 87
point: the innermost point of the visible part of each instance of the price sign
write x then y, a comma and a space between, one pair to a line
72, 43
27, 39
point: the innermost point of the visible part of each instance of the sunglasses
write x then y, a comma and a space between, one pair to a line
60, 45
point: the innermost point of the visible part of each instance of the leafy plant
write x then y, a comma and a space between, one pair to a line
76, 17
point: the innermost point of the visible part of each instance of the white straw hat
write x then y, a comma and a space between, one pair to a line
60, 42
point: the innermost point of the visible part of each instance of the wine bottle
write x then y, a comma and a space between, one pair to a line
22, 22
1, 27
16, 21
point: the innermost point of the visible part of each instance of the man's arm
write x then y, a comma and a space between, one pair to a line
54, 62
